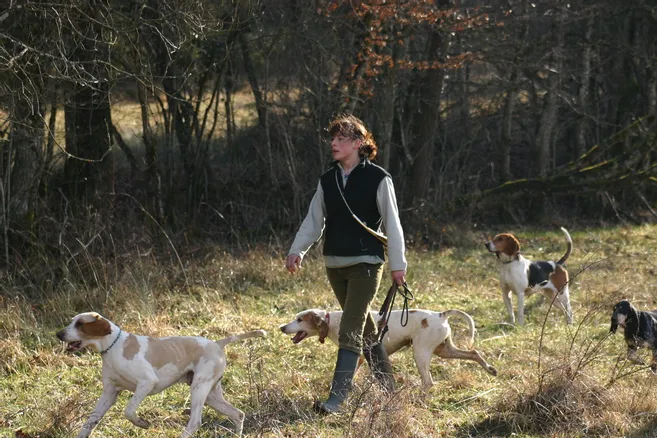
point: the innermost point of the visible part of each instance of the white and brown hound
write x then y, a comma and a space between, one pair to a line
525, 277
428, 332
146, 366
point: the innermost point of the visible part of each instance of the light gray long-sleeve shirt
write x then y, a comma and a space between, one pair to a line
312, 228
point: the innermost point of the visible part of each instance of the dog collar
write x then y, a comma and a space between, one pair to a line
112, 344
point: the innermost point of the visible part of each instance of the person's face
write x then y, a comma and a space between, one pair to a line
344, 148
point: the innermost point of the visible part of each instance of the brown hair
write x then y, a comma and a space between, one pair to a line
351, 126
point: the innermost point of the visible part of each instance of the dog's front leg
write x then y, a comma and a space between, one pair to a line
143, 389
106, 400
632, 355
506, 296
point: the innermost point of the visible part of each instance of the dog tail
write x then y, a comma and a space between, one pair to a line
563, 259
235, 338
468, 319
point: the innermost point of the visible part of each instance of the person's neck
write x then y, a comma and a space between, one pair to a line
349, 163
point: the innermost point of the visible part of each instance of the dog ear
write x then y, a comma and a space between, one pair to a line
323, 330
513, 245
99, 327
614, 325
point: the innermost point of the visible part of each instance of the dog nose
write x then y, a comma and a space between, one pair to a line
282, 328
60, 335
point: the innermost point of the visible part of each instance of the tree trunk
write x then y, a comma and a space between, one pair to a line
87, 111
507, 123
88, 138
427, 119
261, 105
583, 93
26, 143
153, 177
547, 123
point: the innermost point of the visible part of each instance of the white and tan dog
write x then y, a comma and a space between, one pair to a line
146, 366
428, 332
525, 277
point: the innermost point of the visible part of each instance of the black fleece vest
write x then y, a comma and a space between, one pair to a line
343, 236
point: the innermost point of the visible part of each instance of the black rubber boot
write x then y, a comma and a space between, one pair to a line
345, 367
377, 358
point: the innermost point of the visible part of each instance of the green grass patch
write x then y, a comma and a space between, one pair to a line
554, 380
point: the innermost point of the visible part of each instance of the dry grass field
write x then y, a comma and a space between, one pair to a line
554, 380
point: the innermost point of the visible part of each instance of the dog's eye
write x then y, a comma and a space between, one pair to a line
299, 319
78, 323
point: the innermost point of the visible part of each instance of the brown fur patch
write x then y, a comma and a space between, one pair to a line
320, 324
559, 278
130, 347
176, 351
412, 311
98, 328
424, 323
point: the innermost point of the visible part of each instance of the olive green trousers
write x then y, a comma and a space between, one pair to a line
355, 288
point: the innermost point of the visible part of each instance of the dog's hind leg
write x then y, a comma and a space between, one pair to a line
632, 356
422, 361
521, 307
448, 350
199, 397
562, 301
205, 378
217, 402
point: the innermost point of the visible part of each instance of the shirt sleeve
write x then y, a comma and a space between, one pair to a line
312, 227
386, 201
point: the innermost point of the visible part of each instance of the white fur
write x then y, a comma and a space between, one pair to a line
202, 371
428, 332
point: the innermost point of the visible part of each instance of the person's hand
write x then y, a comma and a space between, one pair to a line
399, 277
293, 263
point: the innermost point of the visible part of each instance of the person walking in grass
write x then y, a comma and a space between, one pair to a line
354, 257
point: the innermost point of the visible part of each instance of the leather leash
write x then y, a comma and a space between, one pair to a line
388, 304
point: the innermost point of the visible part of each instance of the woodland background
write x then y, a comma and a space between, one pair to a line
163, 125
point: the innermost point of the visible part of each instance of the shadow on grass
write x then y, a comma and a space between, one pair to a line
487, 428
647, 431
279, 415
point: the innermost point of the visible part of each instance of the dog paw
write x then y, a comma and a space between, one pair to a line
140, 422
653, 367
492, 370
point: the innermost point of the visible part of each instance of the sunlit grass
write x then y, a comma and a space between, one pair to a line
576, 385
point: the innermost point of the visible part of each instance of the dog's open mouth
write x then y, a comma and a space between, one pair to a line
74, 346
299, 336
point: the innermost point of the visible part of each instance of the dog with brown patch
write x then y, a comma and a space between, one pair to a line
146, 366
525, 277
427, 332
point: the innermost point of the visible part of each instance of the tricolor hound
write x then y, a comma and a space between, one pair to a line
640, 330
146, 366
525, 277
428, 332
